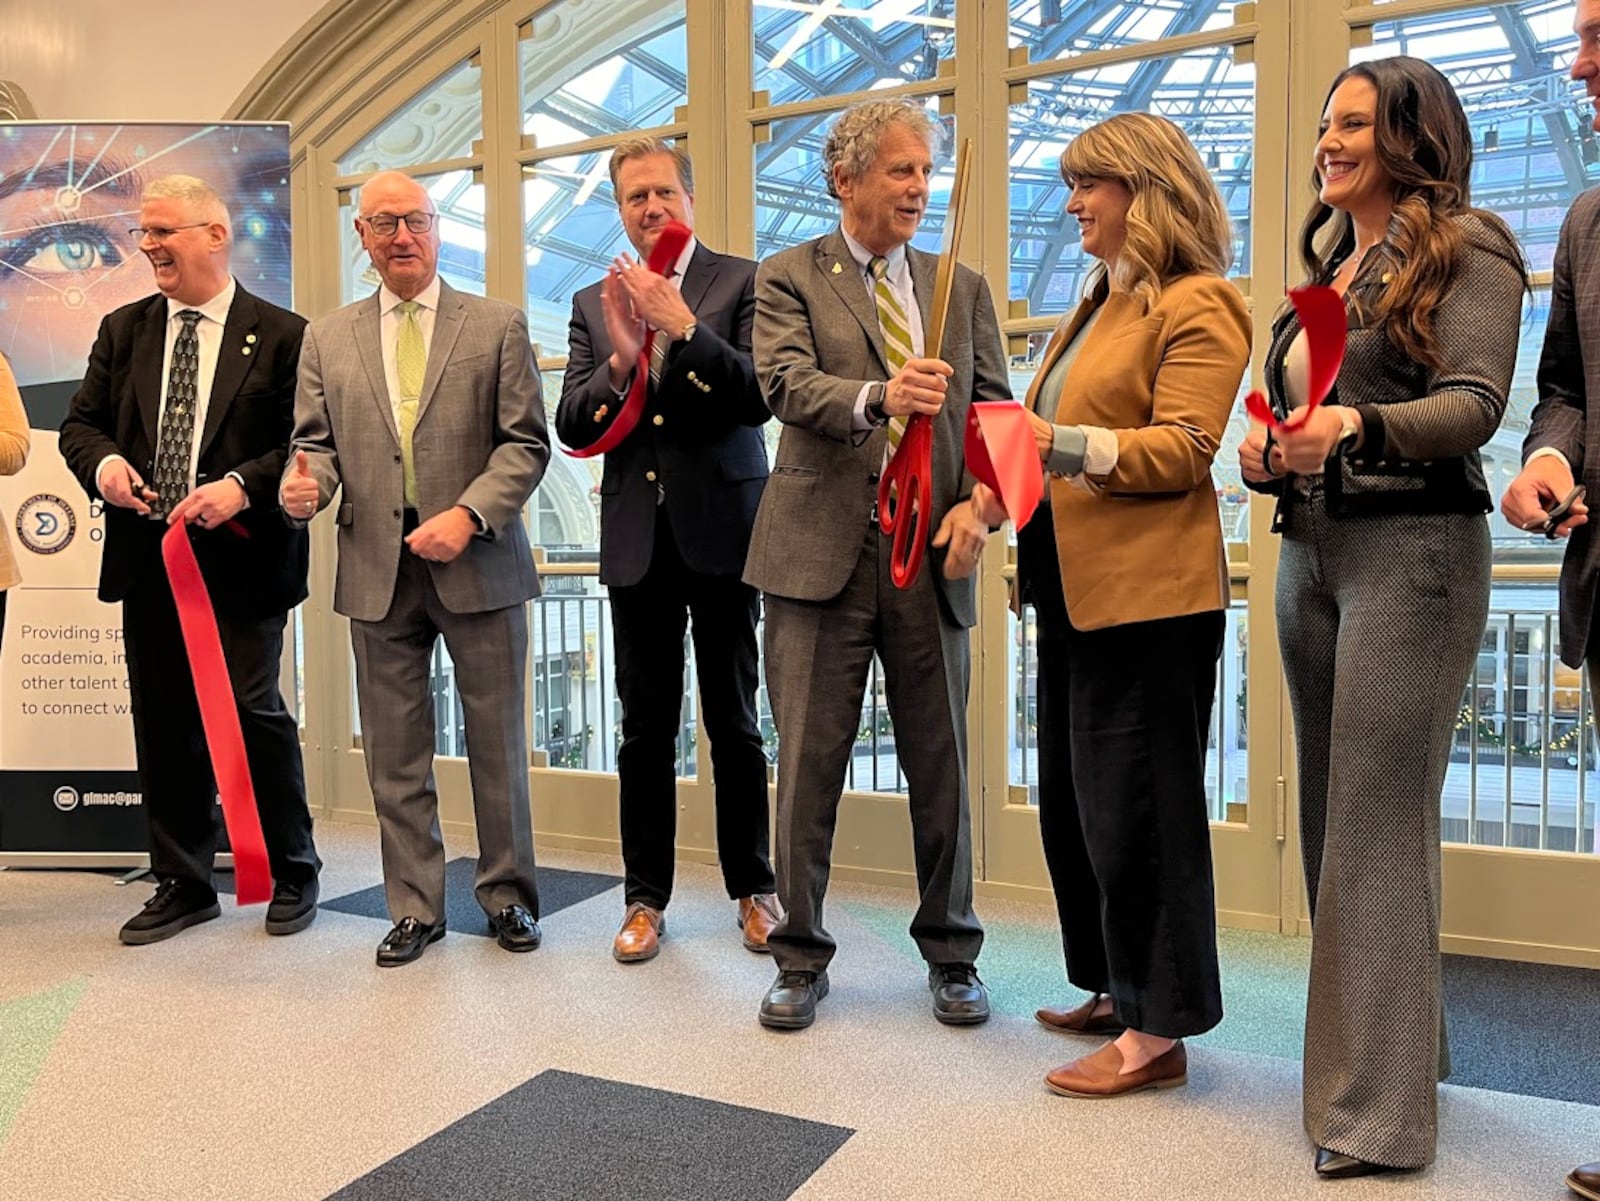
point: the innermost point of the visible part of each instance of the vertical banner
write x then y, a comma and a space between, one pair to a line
69, 194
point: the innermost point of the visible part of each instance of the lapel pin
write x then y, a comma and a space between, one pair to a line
600, 413
246, 350
837, 269
250, 338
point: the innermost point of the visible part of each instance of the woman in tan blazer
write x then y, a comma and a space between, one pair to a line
13, 454
1125, 569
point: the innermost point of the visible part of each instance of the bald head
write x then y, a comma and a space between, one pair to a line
407, 259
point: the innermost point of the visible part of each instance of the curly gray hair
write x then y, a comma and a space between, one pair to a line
852, 143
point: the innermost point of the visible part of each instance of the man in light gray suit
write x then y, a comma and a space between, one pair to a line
424, 405
1563, 442
839, 354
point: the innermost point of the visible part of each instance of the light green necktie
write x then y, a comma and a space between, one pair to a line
896, 333
411, 364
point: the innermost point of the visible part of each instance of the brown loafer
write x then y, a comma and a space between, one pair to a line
1101, 1075
758, 917
1080, 1019
640, 936
1585, 1181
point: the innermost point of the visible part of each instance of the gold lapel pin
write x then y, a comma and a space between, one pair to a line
837, 269
246, 350
250, 338
600, 413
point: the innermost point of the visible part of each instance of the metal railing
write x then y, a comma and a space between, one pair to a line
576, 716
1524, 750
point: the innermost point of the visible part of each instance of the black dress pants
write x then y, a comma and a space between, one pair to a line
648, 620
1124, 714
180, 792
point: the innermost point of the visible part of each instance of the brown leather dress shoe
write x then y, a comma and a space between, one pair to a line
1101, 1075
758, 917
1080, 1019
640, 936
1585, 1181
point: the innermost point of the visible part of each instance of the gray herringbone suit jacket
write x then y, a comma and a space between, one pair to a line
1569, 373
480, 441
817, 341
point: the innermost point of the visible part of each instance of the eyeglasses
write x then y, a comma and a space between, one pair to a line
386, 225
160, 233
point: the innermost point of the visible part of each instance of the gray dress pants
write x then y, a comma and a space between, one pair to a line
1379, 619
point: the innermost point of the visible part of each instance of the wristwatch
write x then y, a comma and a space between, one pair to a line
874, 406
688, 331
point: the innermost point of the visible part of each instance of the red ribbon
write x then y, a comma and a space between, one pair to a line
219, 714
1322, 316
669, 246
1001, 453
905, 499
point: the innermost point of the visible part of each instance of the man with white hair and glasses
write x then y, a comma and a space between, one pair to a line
184, 416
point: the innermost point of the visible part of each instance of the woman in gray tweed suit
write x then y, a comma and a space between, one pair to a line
1383, 583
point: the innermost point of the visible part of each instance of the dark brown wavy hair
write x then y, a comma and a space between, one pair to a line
1424, 143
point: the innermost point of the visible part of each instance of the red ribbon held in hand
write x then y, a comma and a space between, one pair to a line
219, 714
1001, 453
1322, 316
669, 246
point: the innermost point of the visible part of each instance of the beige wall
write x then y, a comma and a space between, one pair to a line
163, 60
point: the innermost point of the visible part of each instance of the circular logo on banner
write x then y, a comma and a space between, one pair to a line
66, 799
45, 523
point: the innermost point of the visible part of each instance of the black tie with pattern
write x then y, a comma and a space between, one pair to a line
177, 422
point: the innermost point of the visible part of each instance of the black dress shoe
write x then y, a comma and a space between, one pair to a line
176, 905
1336, 1165
515, 930
1585, 1181
959, 997
407, 941
791, 1002
293, 907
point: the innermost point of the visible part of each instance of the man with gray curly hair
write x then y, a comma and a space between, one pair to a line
839, 352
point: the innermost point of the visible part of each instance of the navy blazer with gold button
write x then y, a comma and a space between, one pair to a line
698, 449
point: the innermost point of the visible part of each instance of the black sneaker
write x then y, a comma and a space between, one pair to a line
293, 907
176, 905
959, 997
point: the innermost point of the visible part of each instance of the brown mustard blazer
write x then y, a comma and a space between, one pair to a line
13, 454
1145, 542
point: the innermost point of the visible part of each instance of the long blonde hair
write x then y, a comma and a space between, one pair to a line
1177, 224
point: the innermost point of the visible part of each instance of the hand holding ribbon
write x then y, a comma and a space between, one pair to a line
674, 237
1001, 454
1322, 316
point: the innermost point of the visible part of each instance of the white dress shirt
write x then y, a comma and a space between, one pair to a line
208, 333
389, 329
898, 277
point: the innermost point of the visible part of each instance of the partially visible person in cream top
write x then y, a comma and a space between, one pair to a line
13, 454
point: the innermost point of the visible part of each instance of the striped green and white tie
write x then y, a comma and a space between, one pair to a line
411, 365
896, 333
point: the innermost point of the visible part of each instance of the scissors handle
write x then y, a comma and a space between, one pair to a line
905, 498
